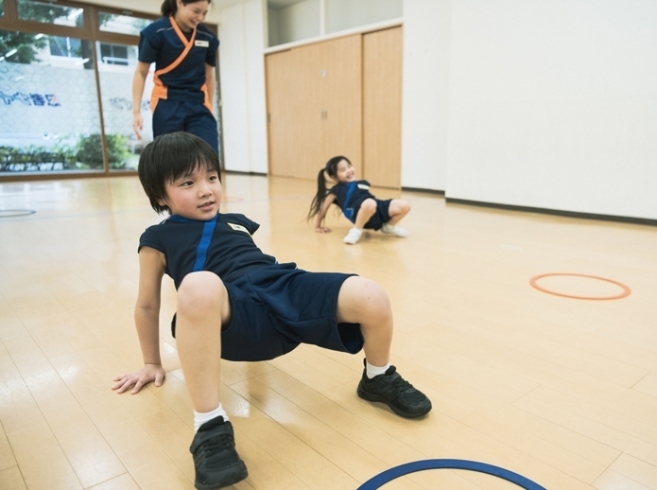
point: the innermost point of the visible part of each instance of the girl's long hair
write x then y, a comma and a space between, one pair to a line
329, 169
170, 7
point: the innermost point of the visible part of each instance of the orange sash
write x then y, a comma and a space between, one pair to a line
159, 89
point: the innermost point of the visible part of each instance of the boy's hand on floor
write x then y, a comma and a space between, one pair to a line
139, 379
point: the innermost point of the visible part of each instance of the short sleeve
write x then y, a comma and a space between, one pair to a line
150, 239
334, 190
149, 46
211, 54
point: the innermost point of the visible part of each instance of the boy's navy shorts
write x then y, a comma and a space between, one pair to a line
278, 307
380, 217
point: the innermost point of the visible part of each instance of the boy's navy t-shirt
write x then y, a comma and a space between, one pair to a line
229, 251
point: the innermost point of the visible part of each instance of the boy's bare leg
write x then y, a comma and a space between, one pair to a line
203, 306
365, 212
363, 301
397, 210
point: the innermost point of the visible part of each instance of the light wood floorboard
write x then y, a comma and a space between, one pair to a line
562, 391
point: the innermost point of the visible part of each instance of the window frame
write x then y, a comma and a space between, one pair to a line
90, 31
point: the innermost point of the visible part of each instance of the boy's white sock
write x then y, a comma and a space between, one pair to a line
201, 418
375, 370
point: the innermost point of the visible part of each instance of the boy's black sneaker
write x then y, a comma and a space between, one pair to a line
393, 390
216, 462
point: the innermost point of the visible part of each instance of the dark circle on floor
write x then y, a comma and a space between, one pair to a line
452, 464
15, 213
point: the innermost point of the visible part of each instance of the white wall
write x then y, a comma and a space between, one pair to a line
241, 61
553, 104
298, 21
272, 27
348, 14
425, 93
548, 104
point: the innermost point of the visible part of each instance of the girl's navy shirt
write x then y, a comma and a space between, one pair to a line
360, 193
159, 43
230, 253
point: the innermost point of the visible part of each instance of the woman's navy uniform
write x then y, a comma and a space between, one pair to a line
180, 100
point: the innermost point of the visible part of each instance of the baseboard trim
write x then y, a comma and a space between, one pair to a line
555, 212
424, 191
239, 172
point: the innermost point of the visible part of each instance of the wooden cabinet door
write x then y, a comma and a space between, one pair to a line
382, 79
280, 116
342, 100
307, 105
314, 105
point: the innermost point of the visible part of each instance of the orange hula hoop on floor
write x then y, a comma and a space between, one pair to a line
534, 283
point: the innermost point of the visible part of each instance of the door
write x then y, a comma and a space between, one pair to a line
314, 106
279, 114
342, 128
382, 79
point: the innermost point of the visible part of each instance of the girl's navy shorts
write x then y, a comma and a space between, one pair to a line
380, 217
278, 307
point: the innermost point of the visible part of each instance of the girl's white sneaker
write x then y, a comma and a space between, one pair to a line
394, 230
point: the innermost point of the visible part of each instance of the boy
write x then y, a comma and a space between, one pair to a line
237, 303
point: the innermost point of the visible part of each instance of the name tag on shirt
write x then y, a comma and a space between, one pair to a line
202, 44
363, 186
238, 228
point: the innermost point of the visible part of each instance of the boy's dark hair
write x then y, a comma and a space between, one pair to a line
331, 169
170, 156
169, 7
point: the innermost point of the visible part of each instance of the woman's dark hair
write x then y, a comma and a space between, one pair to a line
169, 7
167, 158
331, 169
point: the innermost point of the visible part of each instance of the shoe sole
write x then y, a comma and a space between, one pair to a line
371, 397
230, 480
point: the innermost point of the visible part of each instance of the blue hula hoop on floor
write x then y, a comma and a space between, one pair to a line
453, 464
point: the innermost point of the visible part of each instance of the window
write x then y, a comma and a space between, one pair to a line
50, 13
66, 88
50, 120
121, 24
113, 54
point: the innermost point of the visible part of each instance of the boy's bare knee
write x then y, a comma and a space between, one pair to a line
363, 298
200, 292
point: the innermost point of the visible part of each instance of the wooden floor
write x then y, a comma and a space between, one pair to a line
562, 391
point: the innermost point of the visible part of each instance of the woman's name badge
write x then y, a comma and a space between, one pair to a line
202, 44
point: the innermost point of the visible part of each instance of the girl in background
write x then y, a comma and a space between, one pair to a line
358, 205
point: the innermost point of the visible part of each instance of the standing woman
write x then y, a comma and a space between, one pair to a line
184, 52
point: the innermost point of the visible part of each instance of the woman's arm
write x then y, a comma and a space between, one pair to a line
209, 81
138, 84
147, 320
321, 214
